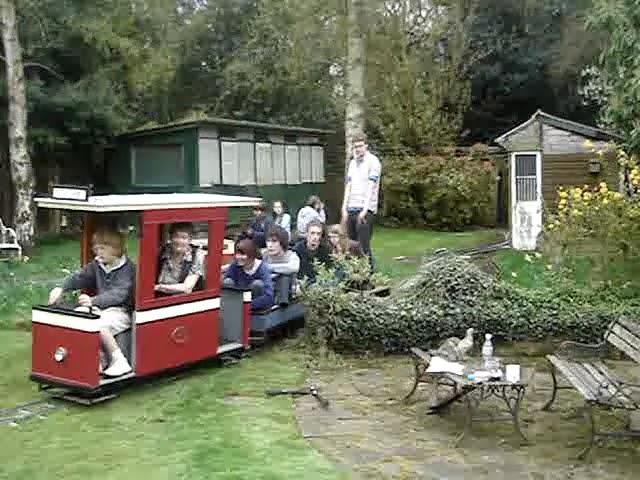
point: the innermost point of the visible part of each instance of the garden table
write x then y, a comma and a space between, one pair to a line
471, 392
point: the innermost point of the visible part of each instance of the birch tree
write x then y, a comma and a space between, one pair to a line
355, 73
19, 160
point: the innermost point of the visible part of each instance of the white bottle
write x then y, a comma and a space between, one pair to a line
487, 351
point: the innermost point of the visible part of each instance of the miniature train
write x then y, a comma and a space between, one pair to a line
167, 332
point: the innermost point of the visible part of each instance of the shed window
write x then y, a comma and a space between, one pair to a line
157, 165
246, 163
292, 164
277, 159
264, 168
306, 167
317, 164
230, 172
526, 178
209, 161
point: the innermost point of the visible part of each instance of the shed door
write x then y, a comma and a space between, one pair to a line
526, 199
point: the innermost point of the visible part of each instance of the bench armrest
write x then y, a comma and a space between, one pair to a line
578, 350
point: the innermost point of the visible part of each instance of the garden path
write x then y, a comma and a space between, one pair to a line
368, 430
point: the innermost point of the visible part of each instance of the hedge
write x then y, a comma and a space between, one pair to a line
447, 296
444, 191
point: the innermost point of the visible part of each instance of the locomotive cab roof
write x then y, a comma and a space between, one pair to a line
82, 199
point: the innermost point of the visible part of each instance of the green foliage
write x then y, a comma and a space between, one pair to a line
280, 71
447, 296
441, 190
597, 224
417, 89
619, 23
528, 55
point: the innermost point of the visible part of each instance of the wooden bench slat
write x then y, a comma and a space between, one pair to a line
630, 325
575, 375
621, 339
590, 378
612, 393
627, 333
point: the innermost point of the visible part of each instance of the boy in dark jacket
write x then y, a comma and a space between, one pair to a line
259, 226
247, 271
312, 248
112, 276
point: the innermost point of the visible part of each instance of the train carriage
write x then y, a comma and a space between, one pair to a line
167, 332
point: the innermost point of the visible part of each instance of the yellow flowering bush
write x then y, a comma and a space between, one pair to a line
596, 221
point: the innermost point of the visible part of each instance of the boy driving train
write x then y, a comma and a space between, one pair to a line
111, 275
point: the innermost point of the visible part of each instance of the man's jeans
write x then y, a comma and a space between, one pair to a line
361, 232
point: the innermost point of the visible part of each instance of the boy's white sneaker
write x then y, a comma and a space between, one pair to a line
119, 365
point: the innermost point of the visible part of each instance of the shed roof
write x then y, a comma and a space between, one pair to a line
147, 201
563, 124
226, 122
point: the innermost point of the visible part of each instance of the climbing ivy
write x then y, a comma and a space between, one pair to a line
447, 295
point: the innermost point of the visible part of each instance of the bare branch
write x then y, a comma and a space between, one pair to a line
38, 65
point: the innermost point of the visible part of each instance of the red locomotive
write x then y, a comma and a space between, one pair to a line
166, 331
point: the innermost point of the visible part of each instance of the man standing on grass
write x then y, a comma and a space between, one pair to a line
360, 202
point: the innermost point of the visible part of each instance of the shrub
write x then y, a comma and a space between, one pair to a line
442, 191
597, 223
447, 296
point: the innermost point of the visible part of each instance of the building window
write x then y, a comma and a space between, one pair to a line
292, 164
208, 161
246, 163
317, 164
230, 171
526, 178
277, 159
157, 165
306, 166
264, 166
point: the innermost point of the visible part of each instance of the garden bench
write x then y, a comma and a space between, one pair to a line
9, 240
584, 367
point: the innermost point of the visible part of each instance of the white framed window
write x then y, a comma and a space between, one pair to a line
264, 166
246, 163
292, 156
230, 171
306, 166
208, 161
526, 177
278, 163
317, 164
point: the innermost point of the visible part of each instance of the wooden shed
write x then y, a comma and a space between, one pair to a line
547, 152
219, 155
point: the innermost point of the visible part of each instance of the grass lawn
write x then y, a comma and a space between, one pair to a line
530, 271
213, 423
388, 243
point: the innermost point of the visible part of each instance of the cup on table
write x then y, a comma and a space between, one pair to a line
512, 373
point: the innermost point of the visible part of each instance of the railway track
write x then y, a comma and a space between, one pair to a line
482, 249
25, 411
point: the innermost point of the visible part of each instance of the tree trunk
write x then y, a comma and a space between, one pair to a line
6, 187
355, 79
20, 162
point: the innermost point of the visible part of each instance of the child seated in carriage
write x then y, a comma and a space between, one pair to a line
180, 265
284, 264
248, 271
340, 244
111, 275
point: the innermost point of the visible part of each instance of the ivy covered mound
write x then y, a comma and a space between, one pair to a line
446, 296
